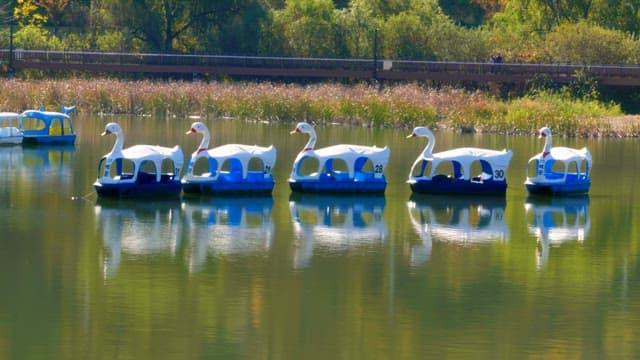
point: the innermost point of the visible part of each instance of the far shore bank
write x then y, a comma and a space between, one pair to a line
401, 106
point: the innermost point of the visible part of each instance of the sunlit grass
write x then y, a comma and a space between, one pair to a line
405, 105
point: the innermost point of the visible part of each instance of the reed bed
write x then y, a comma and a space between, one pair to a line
358, 105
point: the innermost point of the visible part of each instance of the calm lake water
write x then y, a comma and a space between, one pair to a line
284, 277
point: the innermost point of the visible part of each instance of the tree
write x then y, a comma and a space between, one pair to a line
27, 12
585, 43
166, 25
54, 11
464, 12
306, 28
405, 36
356, 31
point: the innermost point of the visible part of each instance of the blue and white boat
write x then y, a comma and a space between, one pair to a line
451, 171
47, 127
228, 169
338, 169
9, 132
137, 171
558, 170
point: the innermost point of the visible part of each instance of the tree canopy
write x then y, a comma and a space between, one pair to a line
582, 31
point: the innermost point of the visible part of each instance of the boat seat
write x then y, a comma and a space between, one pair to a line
440, 178
145, 178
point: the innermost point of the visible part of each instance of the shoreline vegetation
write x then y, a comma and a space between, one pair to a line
403, 106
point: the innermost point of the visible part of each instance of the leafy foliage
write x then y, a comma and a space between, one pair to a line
581, 31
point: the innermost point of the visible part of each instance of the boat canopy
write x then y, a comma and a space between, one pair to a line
242, 154
565, 155
141, 153
353, 155
464, 158
51, 122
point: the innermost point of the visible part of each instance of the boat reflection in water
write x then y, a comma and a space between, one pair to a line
11, 159
335, 223
137, 228
464, 220
40, 165
221, 226
556, 220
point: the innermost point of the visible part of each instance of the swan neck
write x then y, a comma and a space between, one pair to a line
547, 144
204, 144
431, 143
117, 146
311, 144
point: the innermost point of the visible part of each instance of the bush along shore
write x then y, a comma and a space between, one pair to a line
404, 106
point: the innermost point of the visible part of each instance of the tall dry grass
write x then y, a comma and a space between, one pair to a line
394, 106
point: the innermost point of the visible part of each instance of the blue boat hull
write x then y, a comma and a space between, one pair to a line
558, 189
49, 139
462, 187
228, 188
314, 186
170, 189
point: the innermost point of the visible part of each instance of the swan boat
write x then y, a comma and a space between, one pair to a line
428, 176
238, 178
138, 169
338, 169
558, 170
47, 127
9, 132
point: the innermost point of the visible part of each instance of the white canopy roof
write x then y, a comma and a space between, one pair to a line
7, 114
244, 153
499, 160
349, 154
565, 155
140, 153
468, 155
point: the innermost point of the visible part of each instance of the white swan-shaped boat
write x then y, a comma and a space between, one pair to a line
138, 169
339, 168
558, 170
450, 172
228, 167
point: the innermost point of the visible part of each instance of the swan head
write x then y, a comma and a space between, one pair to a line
420, 131
544, 132
198, 127
304, 128
112, 128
